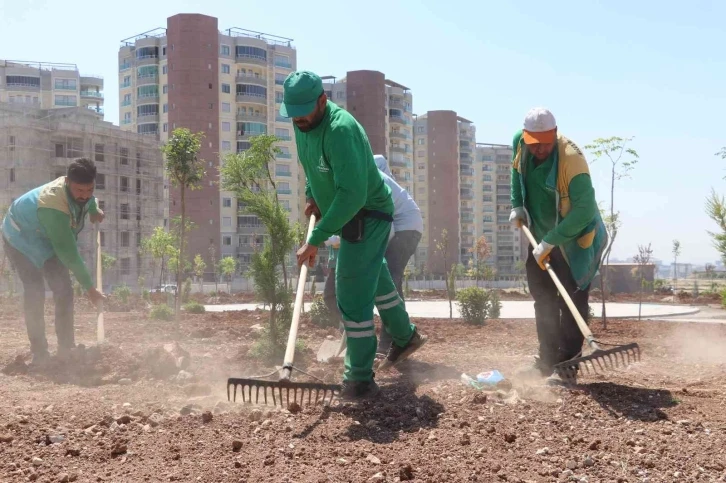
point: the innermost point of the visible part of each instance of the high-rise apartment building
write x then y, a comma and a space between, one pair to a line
443, 143
496, 175
47, 85
40, 143
384, 109
229, 86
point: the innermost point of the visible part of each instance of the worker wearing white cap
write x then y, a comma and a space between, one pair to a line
552, 193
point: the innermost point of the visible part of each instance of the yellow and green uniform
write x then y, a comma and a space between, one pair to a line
559, 200
45, 222
343, 179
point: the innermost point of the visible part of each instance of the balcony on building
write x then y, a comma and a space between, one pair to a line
245, 116
284, 191
91, 81
252, 96
146, 55
399, 163
251, 78
92, 95
467, 186
285, 64
465, 146
399, 135
286, 173
466, 171
466, 194
283, 155
124, 66
398, 119
245, 54
247, 130
467, 209
22, 83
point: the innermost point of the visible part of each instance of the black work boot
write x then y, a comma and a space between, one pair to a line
397, 354
357, 390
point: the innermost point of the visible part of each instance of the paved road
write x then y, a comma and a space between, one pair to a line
525, 310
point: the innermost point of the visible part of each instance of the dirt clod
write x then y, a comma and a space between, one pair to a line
236, 445
207, 417
405, 472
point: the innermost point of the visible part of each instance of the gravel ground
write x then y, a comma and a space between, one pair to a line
150, 405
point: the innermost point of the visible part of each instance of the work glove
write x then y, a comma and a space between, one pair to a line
517, 217
542, 254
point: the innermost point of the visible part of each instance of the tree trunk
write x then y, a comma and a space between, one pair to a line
640, 302
180, 261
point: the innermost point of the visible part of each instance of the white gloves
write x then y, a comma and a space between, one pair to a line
517, 216
542, 254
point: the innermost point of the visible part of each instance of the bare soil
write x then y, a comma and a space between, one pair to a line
134, 410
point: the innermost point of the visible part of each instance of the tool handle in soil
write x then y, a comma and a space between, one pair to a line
100, 335
299, 295
563, 293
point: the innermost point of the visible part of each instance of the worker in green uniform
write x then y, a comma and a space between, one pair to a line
40, 233
346, 192
552, 193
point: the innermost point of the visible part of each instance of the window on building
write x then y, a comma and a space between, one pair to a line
124, 184
164, 69
138, 213
99, 153
282, 133
226, 221
124, 211
226, 126
138, 186
227, 202
225, 69
226, 88
421, 141
421, 154
126, 266
124, 155
66, 101
101, 204
226, 146
125, 239
224, 49
66, 84
12, 175
100, 181
165, 108
165, 127
227, 241
226, 107
138, 238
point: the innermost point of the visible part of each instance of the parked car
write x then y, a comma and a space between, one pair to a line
166, 288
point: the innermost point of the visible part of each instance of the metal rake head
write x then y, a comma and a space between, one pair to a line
598, 361
282, 393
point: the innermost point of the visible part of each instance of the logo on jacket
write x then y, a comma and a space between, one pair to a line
322, 167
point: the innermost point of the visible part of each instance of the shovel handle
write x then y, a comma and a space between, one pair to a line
563, 293
299, 295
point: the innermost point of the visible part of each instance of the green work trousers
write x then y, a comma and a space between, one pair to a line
362, 281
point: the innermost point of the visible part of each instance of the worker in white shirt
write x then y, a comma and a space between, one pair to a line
405, 236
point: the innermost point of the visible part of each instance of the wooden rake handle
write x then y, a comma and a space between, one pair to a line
299, 295
563, 293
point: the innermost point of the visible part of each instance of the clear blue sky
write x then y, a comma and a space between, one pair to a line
650, 70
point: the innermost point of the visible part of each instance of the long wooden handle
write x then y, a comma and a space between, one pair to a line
299, 295
563, 293
100, 333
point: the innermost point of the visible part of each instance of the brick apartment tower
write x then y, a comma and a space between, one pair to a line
443, 186
193, 52
366, 98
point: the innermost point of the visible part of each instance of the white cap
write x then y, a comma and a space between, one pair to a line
539, 126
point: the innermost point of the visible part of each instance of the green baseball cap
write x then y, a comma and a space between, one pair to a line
300, 93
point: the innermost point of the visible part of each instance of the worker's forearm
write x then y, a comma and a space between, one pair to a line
58, 229
583, 209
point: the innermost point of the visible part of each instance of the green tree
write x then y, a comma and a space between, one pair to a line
643, 258
199, 267
186, 171
442, 247
249, 176
228, 267
520, 269
481, 250
676, 253
107, 263
622, 161
160, 245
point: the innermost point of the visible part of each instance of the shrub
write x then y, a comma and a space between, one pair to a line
475, 304
145, 295
123, 292
320, 315
162, 312
723, 297
194, 308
